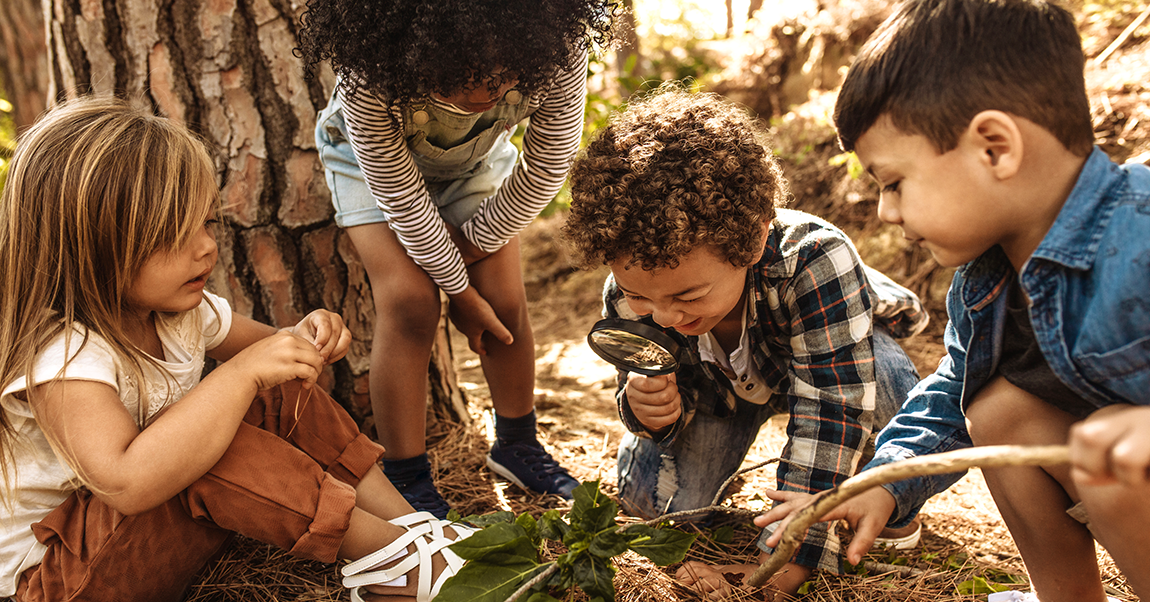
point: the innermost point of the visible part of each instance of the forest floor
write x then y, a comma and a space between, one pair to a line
965, 548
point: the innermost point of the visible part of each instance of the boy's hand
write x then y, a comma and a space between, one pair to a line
473, 316
1112, 446
866, 513
277, 359
654, 400
326, 331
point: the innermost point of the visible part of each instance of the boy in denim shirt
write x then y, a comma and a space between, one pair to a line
774, 309
973, 118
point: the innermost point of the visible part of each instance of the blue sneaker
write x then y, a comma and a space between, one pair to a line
529, 466
424, 497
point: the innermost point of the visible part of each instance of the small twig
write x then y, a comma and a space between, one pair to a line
906, 572
526, 587
947, 462
1122, 37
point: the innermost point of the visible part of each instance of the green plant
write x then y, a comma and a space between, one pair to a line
504, 557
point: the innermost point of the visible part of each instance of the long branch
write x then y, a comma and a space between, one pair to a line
991, 456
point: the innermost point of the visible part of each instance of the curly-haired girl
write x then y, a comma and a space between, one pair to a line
773, 307
416, 147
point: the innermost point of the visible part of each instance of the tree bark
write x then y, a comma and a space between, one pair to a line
225, 68
23, 59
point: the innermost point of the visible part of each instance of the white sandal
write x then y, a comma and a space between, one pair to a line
426, 532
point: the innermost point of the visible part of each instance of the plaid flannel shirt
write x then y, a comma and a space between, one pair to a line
810, 327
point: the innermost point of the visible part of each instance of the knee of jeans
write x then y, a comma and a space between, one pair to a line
648, 480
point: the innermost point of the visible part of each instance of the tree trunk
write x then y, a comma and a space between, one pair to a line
225, 68
23, 59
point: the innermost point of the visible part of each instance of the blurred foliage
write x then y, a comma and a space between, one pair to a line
7, 136
669, 36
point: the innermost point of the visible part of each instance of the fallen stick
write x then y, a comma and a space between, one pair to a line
991, 456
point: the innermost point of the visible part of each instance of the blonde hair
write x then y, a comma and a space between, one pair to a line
94, 189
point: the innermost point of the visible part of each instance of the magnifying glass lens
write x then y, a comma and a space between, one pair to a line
633, 350
634, 347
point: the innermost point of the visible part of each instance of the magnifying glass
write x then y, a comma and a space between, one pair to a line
634, 346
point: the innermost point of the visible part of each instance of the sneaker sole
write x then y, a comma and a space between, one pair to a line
900, 543
502, 471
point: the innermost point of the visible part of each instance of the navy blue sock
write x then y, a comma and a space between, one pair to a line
513, 430
407, 470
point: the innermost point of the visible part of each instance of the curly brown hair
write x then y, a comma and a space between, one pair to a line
674, 171
402, 50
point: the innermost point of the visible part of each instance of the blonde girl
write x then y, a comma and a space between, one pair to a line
123, 472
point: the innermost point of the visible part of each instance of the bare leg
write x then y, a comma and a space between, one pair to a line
509, 369
376, 495
1058, 550
406, 317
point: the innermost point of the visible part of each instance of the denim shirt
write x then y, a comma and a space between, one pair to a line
1089, 286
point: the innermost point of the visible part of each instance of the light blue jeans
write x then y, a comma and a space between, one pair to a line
654, 481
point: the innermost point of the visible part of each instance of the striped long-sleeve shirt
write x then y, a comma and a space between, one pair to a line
549, 145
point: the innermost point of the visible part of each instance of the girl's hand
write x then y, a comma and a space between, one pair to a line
277, 359
866, 513
654, 400
1112, 446
473, 316
327, 332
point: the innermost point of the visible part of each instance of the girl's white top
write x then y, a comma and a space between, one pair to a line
549, 146
43, 480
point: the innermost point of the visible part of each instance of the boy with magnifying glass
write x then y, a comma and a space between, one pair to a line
772, 311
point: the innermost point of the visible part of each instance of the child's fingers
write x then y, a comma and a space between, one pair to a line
1130, 460
1090, 448
340, 346
866, 531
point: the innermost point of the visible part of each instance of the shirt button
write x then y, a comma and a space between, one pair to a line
420, 117
513, 97
750, 386
743, 378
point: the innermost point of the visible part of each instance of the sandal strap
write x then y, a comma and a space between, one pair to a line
429, 539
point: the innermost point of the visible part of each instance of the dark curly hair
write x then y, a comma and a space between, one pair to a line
673, 172
402, 50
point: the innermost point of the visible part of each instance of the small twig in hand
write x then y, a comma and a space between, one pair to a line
299, 410
933, 464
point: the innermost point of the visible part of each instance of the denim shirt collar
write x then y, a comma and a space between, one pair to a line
1074, 237
1072, 240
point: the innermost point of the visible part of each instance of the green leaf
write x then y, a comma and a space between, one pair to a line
597, 519
527, 522
723, 534
501, 540
552, 526
542, 597
592, 511
663, 546
610, 543
486, 520
480, 581
595, 576
978, 585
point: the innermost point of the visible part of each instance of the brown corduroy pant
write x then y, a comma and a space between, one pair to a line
283, 481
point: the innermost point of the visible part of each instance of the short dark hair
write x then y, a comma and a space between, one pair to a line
673, 172
935, 64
